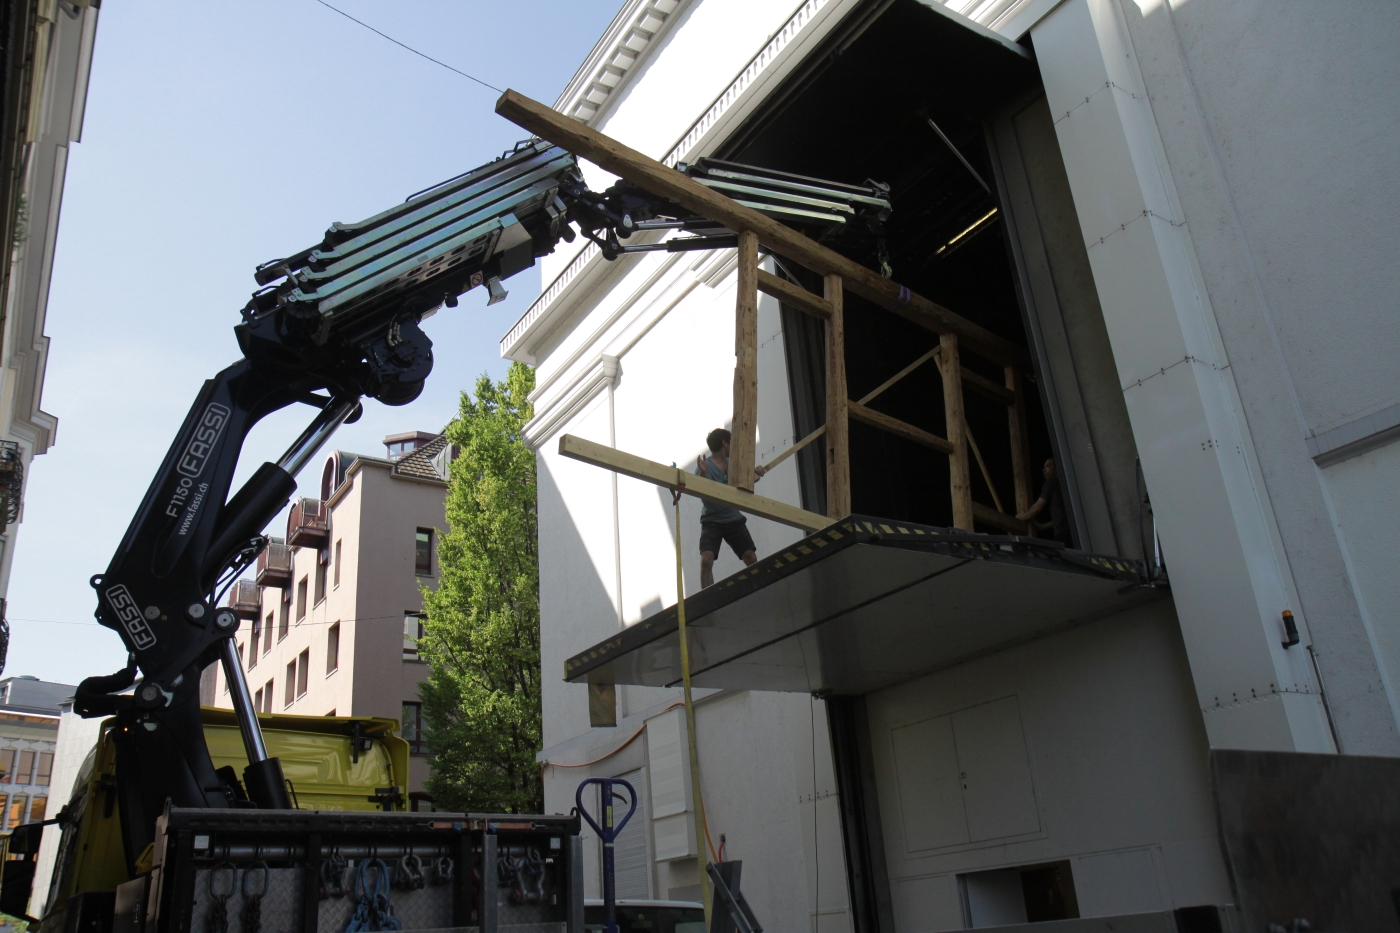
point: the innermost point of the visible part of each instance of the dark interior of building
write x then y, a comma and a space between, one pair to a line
878, 104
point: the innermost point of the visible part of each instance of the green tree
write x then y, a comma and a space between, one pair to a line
481, 701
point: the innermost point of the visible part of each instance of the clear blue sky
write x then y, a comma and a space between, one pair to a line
218, 136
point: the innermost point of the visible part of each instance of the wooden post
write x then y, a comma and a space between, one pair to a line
838, 437
1020, 443
960, 480
744, 428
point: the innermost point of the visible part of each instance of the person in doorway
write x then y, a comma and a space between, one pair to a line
720, 523
1052, 499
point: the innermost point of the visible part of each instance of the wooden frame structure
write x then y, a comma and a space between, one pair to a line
956, 335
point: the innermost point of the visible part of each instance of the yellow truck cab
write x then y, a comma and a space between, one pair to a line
330, 762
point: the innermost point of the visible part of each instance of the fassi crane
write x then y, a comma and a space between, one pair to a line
335, 323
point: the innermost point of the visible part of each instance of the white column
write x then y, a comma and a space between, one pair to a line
1228, 578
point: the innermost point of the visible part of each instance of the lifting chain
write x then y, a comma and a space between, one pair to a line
333, 876
373, 912
252, 900
216, 921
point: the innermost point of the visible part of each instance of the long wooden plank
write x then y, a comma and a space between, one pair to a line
903, 429
794, 295
609, 458
955, 418
794, 448
743, 429
613, 156
838, 430
990, 516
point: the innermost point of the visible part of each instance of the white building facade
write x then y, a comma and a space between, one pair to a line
48, 59
1183, 192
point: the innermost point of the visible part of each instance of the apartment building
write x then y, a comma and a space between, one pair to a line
46, 61
29, 718
1158, 221
334, 611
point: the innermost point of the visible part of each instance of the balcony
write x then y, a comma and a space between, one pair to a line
275, 565
864, 604
245, 600
308, 524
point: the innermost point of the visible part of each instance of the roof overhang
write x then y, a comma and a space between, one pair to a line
867, 603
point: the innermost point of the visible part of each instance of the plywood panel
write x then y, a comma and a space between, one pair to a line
930, 786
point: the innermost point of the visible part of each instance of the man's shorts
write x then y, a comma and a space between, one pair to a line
735, 533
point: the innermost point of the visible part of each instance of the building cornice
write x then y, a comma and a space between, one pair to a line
550, 417
633, 33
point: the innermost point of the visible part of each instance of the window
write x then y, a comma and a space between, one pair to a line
333, 649
267, 697
331, 713
24, 771
337, 563
286, 611
36, 809
303, 671
253, 650
301, 599
423, 553
322, 557
258, 700
412, 727
412, 631
16, 815
267, 634
290, 693
7, 764
45, 769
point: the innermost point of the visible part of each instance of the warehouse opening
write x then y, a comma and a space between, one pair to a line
954, 120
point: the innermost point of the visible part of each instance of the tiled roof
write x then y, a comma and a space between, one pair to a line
419, 464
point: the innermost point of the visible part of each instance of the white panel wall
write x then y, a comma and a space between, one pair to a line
1090, 740
1364, 493
1229, 581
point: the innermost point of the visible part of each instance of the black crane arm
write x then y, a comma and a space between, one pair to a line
333, 324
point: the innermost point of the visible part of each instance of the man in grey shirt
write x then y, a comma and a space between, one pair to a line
720, 522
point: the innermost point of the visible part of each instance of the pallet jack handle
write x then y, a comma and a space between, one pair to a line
608, 832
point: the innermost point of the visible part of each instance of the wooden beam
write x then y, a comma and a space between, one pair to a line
907, 431
838, 429
984, 386
990, 516
977, 451
1020, 443
870, 396
794, 448
649, 471
743, 428
794, 295
959, 479
612, 156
